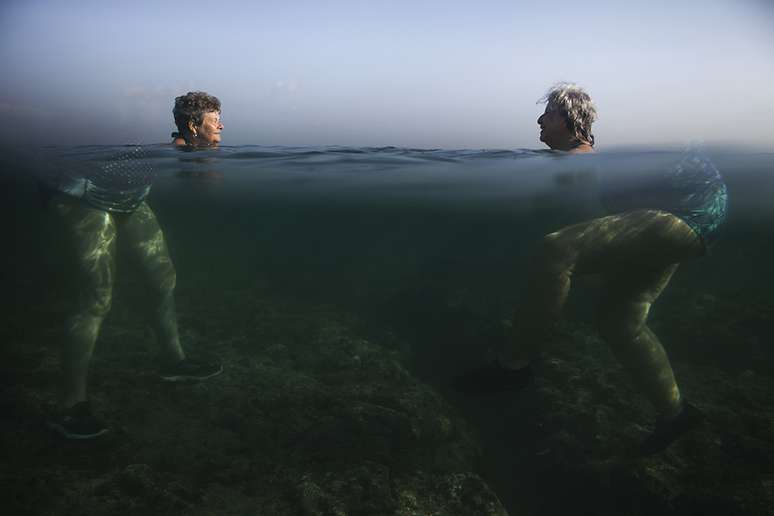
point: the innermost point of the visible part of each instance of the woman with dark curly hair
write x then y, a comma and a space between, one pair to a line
197, 116
95, 208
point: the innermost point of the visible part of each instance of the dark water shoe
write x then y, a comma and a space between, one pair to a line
78, 422
668, 431
188, 370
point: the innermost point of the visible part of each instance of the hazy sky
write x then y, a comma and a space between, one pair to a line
419, 73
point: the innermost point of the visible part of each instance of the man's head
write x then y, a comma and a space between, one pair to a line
197, 116
566, 122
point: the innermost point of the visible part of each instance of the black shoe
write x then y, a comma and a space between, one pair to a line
492, 379
188, 370
668, 431
78, 422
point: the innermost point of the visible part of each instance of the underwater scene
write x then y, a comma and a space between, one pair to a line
344, 292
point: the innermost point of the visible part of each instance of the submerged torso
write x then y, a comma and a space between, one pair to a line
118, 185
693, 190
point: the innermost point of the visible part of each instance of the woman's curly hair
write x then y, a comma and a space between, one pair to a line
191, 107
577, 107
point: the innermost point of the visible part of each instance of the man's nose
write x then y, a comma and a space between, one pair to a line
540, 120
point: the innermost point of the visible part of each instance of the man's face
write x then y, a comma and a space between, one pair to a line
553, 128
208, 133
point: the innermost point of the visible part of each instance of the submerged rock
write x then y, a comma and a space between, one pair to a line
309, 418
591, 421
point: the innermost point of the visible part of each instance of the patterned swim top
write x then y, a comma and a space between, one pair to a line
693, 190
119, 184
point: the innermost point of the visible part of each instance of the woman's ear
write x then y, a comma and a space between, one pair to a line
192, 127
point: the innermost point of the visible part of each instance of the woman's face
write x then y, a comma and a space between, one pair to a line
208, 133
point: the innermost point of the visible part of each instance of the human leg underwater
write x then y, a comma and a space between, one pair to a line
147, 246
632, 245
622, 320
90, 242
637, 251
91, 238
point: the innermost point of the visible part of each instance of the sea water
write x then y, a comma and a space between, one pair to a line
376, 230
430, 246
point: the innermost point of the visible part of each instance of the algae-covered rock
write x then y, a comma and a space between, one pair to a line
592, 420
310, 417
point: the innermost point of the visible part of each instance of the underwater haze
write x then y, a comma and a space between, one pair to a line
343, 288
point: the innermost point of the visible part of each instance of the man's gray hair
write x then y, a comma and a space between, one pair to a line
576, 106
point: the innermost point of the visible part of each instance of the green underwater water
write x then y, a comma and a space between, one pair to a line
405, 254
277, 260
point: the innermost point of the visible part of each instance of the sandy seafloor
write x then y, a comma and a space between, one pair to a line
335, 398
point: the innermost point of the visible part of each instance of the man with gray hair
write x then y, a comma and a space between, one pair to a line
636, 249
566, 123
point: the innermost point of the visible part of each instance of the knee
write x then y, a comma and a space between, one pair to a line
616, 332
618, 325
164, 278
96, 302
554, 253
169, 281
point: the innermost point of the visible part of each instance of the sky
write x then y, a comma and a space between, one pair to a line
420, 73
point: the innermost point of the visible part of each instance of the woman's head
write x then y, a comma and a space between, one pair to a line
568, 117
197, 116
